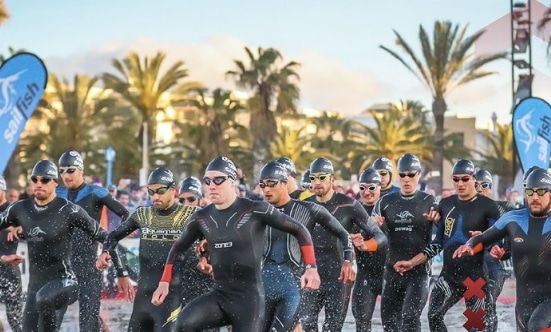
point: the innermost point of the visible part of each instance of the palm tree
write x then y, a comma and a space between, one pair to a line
274, 90
498, 158
141, 84
213, 127
445, 64
296, 145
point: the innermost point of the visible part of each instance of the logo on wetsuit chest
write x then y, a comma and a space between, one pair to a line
223, 245
518, 240
404, 217
448, 226
35, 235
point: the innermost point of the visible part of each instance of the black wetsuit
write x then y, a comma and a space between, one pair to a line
457, 219
283, 266
368, 284
235, 248
10, 281
530, 240
92, 199
333, 294
404, 297
48, 230
390, 190
159, 230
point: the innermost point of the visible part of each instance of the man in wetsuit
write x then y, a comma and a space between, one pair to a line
407, 216
462, 213
234, 228
282, 262
292, 186
47, 223
334, 294
10, 275
369, 279
92, 199
528, 230
496, 271
160, 224
383, 165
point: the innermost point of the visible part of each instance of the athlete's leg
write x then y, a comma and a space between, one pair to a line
444, 295
495, 281
334, 303
312, 305
202, 313
541, 317
30, 312
11, 296
285, 316
415, 298
392, 301
89, 299
364, 298
55, 294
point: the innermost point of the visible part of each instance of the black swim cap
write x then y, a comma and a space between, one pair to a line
46, 169
191, 185
274, 171
539, 178
408, 162
322, 165
289, 165
71, 158
382, 163
463, 166
161, 175
528, 171
305, 179
483, 176
224, 165
370, 175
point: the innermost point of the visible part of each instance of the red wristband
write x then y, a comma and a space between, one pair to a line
308, 254
167, 273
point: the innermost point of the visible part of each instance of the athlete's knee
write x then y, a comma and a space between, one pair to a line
183, 325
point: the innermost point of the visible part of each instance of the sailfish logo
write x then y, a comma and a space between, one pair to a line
527, 130
7, 90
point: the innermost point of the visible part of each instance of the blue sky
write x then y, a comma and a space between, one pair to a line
337, 43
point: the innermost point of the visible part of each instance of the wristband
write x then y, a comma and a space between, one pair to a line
311, 266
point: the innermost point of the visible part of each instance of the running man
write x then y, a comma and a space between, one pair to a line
160, 225
407, 217
47, 223
92, 199
369, 279
462, 213
11, 288
282, 264
234, 228
334, 294
528, 230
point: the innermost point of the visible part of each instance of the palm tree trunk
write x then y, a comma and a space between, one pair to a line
260, 156
438, 109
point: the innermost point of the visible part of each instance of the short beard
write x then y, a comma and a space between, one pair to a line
543, 213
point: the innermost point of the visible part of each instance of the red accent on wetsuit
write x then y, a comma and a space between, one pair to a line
167, 273
307, 254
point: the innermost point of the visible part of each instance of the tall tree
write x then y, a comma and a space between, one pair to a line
447, 61
275, 89
140, 82
498, 157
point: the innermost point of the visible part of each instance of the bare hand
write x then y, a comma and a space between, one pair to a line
432, 215
160, 293
310, 279
14, 233
378, 220
103, 261
475, 233
204, 266
463, 250
497, 252
403, 266
357, 240
201, 247
12, 260
347, 272
125, 286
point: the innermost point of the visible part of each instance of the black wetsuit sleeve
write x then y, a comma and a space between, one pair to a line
489, 237
272, 217
332, 225
81, 219
369, 229
115, 206
7, 218
190, 234
124, 229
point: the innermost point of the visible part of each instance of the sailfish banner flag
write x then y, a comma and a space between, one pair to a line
532, 132
23, 78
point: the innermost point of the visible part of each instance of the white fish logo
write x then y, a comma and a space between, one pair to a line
527, 130
7, 90
36, 232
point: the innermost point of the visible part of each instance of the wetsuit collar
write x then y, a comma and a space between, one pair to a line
167, 211
410, 196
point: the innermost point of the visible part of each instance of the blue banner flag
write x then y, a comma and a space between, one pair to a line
532, 132
23, 78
